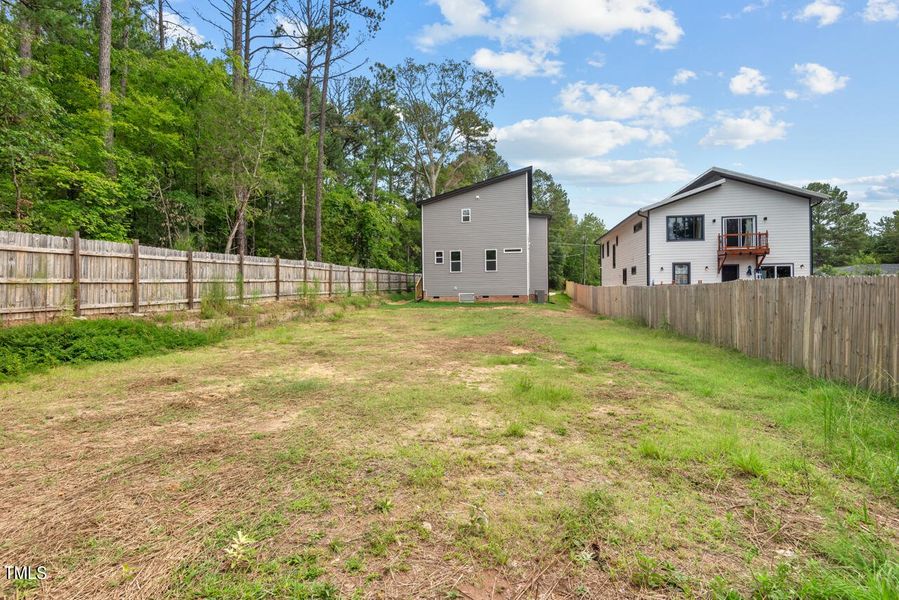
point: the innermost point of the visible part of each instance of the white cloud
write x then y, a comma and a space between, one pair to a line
598, 60
642, 105
592, 171
574, 149
516, 64
878, 195
748, 81
819, 79
549, 21
178, 30
754, 126
567, 137
683, 76
791, 94
881, 10
827, 12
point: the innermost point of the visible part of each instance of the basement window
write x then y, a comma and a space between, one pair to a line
456, 261
438, 257
466, 215
490, 260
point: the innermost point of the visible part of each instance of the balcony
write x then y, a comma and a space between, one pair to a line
741, 244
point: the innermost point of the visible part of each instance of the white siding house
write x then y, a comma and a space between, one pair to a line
721, 227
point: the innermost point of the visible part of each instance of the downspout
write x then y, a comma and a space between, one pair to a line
646, 216
811, 240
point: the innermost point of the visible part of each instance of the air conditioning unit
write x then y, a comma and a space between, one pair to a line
540, 296
466, 298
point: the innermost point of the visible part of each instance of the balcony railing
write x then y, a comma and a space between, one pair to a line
754, 243
747, 243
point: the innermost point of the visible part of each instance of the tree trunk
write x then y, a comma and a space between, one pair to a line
160, 24
248, 21
307, 128
237, 15
26, 32
105, 77
374, 181
320, 168
126, 39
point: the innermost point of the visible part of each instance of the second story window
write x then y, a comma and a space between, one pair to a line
638, 227
686, 229
438, 257
466, 215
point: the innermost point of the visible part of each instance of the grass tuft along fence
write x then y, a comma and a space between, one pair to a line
44, 275
842, 328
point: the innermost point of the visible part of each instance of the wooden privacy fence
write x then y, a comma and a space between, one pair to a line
843, 328
41, 275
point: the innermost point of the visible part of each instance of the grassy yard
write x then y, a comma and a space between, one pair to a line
443, 451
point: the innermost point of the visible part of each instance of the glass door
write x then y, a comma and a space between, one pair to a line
739, 232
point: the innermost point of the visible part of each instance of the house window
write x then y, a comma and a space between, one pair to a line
511, 250
613, 255
438, 257
681, 273
623, 276
633, 270
774, 271
687, 228
466, 215
456, 261
490, 260
638, 226
602, 251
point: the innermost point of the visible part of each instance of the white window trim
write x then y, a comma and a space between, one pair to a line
512, 250
462, 215
496, 260
459, 261
438, 262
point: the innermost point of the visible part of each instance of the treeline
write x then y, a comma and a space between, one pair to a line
118, 124
842, 234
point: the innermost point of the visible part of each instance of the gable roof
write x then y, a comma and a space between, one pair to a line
717, 173
715, 177
529, 171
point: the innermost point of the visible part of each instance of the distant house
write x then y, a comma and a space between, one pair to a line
483, 243
722, 226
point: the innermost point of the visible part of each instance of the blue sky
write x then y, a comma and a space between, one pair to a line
623, 100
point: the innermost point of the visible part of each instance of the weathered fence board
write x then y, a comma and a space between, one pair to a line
42, 275
843, 328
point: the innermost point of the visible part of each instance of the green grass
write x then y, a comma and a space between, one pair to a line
33, 348
401, 439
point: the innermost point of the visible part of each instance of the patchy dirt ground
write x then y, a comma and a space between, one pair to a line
422, 452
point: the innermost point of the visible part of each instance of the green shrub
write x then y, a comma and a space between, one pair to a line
32, 348
214, 302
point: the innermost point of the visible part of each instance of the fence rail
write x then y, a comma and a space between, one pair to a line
42, 275
842, 328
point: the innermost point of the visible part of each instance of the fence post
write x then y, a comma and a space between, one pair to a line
378, 282
305, 278
76, 273
190, 280
277, 278
364, 281
135, 277
349, 280
330, 280
240, 282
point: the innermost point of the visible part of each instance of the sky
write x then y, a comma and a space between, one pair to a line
623, 101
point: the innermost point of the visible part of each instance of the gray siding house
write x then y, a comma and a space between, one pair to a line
722, 226
483, 243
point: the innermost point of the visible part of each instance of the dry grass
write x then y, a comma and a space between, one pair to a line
408, 452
